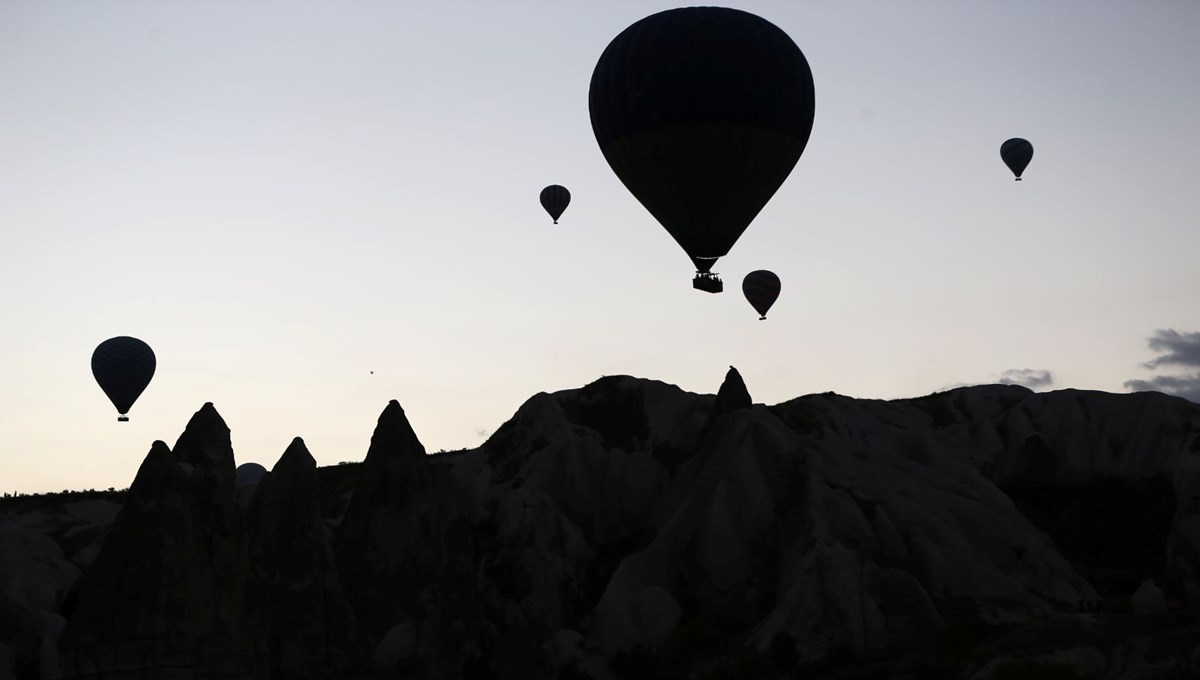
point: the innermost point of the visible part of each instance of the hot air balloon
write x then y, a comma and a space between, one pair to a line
555, 200
761, 288
123, 366
1016, 153
702, 112
248, 474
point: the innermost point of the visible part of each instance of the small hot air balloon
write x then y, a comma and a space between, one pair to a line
555, 200
123, 366
761, 288
245, 480
702, 112
248, 474
1016, 153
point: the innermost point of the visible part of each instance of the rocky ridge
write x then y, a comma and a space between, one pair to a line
631, 529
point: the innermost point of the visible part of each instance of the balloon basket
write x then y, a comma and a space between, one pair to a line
708, 283
122, 419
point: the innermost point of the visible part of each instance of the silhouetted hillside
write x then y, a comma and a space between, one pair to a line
629, 529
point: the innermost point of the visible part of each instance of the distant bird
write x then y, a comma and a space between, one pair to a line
702, 112
555, 200
372, 372
123, 367
1016, 154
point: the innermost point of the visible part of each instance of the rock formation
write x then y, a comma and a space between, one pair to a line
164, 597
303, 626
630, 529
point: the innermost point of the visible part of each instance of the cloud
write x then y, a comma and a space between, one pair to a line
1174, 349
1186, 386
1177, 349
1027, 377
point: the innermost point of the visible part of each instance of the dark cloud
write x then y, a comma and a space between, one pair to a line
1027, 377
1177, 349
1174, 349
1186, 386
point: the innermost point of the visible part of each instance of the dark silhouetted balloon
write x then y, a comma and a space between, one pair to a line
1016, 153
761, 288
555, 200
702, 112
248, 473
123, 366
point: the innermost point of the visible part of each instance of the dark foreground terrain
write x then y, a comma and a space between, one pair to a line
629, 529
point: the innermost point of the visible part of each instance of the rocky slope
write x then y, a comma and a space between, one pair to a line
630, 529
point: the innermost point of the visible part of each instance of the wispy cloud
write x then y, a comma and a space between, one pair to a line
1033, 378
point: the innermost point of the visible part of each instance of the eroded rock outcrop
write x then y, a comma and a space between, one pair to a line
404, 553
303, 625
164, 597
631, 528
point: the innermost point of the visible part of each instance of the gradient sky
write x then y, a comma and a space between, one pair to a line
280, 197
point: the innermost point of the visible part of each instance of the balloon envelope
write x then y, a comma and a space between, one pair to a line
702, 112
1016, 154
123, 366
761, 288
555, 200
248, 473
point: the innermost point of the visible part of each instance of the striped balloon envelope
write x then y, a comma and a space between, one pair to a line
761, 288
555, 200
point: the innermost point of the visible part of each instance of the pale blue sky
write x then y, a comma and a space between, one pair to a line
280, 197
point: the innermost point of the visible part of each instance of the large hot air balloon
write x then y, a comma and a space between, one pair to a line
555, 200
761, 288
123, 366
1016, 153
702, 112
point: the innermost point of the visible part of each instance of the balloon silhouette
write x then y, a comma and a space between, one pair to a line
761, 288
555, 200
702, 112
1016, 154
123, 367
248, 473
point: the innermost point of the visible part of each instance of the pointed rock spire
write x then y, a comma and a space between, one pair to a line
158, 463
206, 457
393, 438
295, 459
165, 590
392, 524
302, 620
205, 442
733, 393
732, 396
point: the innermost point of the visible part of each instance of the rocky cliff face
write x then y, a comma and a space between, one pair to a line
630, 529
